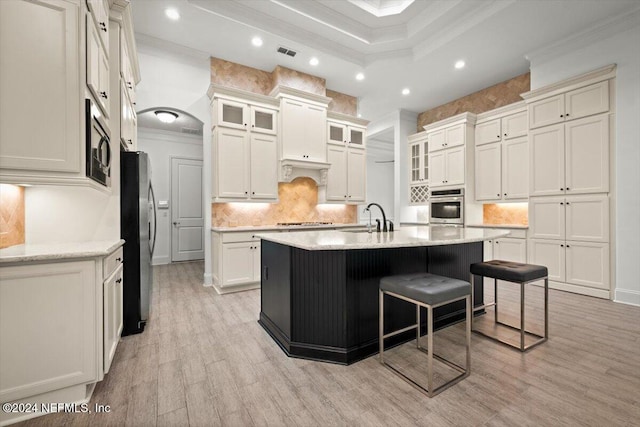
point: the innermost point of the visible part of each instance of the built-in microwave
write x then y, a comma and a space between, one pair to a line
98, 145
447, 207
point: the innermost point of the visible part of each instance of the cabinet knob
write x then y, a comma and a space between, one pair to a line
562, 246
497, 136
505, 134
561, 203
561, 115
498, 194
345, 196
567, 188
253, 192
562, 189
118, 259
103, 94
253, 126
246, 192
568, 246
119, 281
568, 203
497, 242
566, 115
505, 194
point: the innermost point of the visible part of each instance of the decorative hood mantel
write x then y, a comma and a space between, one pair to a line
292, 169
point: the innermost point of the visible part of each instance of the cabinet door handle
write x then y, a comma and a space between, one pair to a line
130, 141
266, 273
119, 281
118, 259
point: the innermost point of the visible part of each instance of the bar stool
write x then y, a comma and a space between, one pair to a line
514, 272
429, 291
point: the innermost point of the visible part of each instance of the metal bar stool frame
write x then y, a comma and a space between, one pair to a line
464, 371
521, 329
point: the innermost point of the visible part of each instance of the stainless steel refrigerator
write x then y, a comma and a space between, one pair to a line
138, 229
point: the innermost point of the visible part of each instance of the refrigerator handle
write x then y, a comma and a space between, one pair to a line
155, 220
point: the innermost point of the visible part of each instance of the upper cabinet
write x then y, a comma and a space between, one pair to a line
346, 142
40, 47
418, 168
450, 145
574, 104
303, 126
243, 115
124, 77
245, 152
502, 154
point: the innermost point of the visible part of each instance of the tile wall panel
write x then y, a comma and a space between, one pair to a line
298, 203
496, 96
11, 215
506, 214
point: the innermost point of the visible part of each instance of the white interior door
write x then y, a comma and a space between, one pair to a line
187, 234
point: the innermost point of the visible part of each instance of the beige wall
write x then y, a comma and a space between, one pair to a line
496, 96
298, 202
239, 76
11, 215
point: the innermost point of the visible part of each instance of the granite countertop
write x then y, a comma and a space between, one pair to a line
511, 226
402, 237
58, 251
284, 227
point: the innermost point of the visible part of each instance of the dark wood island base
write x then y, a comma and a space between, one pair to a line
323, 304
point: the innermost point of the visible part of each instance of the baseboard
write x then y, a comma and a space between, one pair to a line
575, 289
627, 296
160, 260
239, 288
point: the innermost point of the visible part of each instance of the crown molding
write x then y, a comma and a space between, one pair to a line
332, 115
241, 95
468, 118
120, 12
286, 91
601, 30
516, 107
562, 86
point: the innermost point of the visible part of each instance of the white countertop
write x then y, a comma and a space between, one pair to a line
402, 237
284, 227
58, 251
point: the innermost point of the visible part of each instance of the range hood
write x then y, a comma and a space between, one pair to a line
291, 169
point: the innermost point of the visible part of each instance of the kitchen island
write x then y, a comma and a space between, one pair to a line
319, 297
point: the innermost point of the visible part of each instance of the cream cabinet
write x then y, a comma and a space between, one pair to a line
570, 158
99, 15
584, 218
69, 312
576, 266
447, 167
340, 133
112, 306
303, 131
97, 66
244, 166
346, 179
512, 248
40, 44
418, 148
574, 104
236, 261
499, 129
242, 115
448, 137
502, 170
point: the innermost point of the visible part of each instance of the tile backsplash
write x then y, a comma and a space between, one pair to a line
11, 215
298, 202
506, 213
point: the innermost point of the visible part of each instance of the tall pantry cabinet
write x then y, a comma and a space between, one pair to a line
570, 140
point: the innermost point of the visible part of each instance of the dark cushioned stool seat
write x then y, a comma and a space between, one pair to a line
509, 271
425, 287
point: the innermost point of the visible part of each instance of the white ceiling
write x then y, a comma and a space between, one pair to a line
415, 48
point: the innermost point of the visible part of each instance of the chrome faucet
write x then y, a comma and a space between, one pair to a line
384, 217
369, 225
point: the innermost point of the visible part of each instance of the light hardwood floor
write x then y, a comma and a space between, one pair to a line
204, 360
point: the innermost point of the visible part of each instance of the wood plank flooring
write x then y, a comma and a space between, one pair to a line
204, 361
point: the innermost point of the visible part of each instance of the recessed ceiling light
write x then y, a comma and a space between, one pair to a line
406, 91
459, 64
256, 41
166, 116
172, 14
314, 61
359, 76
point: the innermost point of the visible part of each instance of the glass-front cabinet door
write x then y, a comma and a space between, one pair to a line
425, 161
232, 114
263, 120
356, 137
337, 133
414, 160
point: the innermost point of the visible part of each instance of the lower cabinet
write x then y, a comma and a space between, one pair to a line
573, 263
236, 261
60, 323
506, 249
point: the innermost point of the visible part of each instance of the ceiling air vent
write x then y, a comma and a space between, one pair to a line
192, 131
286, 51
